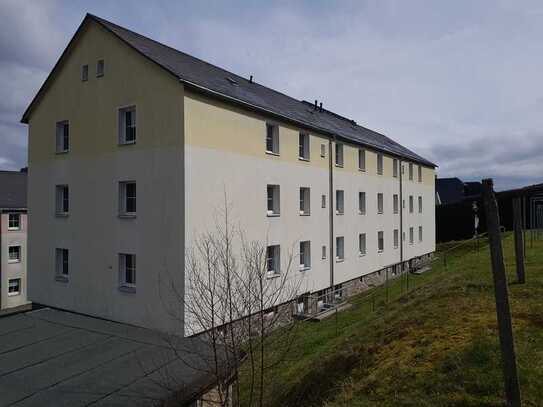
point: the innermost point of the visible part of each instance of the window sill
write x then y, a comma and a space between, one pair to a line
361, 254
13, 229
61, 278
362, 169
304, 159
305, 214
339, 165
14, 261
340, 260
14, 294
273, 153
127, 215
380, 174
380, 251
61, 152
396, 247
271, 276
305, 268
99, 75
273, 215
361, 213
126, 143
62, 214
340, 213
379, 213
127, 289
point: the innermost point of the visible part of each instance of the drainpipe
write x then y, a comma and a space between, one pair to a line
400, 169
331, 211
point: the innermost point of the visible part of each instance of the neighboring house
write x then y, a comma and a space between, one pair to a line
13, 228
449, 190
133, 145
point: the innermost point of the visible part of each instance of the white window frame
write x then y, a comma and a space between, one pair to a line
411, 204
305, 255
62, 200
62, 140
275, 199
323, 150
420, 234
340, 248
395, 168
362, 202
100, 68
273, 260
339, 157
380, 203
304, 150
323, 201
340, 202
395, 203
362, 244
124, 283
420, 173
123, 199
18, 282
274, 128
411, 235
380, 163
18, 217
84, 73
121, 118
410, 171
19, 251
420, 204
305, 201
323, 254
380, 241
396, 238
361, 159
62, 258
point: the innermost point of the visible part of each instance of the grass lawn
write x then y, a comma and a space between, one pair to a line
435, 345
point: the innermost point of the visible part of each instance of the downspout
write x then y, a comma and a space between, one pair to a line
400, 169
331, 211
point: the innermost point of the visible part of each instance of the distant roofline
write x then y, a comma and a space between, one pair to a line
217, 94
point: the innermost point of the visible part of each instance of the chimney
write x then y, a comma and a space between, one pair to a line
251, 79
321, 107
315, 104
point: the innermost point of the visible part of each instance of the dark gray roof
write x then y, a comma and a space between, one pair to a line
211, 79
450, 190
55, 358
12, 189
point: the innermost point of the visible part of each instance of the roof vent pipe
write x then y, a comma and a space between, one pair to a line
315, 104
321, 107
251, 79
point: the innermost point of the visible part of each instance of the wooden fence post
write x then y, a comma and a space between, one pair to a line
519, 240
507, 345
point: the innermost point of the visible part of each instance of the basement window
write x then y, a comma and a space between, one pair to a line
273, 260
273, 196
303, 148
272, 138
127, 125
305, 255
305, 206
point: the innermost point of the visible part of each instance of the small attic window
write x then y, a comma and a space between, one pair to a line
84, 73
100, 68
232, 81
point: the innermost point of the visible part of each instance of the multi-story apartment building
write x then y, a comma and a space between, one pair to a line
13, 227
133, 146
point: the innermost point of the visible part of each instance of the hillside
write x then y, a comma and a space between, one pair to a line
435, 345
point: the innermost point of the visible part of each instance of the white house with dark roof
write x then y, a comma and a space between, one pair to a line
133, 146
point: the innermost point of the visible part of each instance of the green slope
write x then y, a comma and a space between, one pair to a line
435, 345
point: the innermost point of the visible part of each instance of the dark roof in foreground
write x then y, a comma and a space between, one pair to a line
12, 189
55, 358
211, 79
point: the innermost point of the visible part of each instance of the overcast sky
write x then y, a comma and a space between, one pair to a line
459, 82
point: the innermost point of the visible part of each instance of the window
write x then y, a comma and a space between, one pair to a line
420, 173
323, 201
396, 238
339, 155
379, 203
272, 138
273, 260
323, 150
127, 125
395, 203
340, 204
411, 237
305, 255
362, 244
84, 73
63, 137
362, 203
420, 233
410, 203
127, 198
273, 200
395, 168
340, 249
62, 263
14, 286
305, 206
410, 171
380, 164
127, 271
420, 204
362, 159
303, 148
62, 200
14, 221
380, 241
324, 252
14, 254
100, 68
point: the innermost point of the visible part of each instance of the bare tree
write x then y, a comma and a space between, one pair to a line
233, 301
